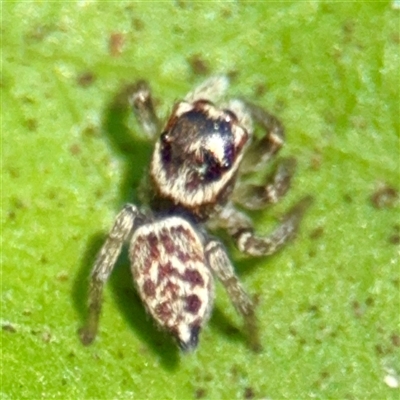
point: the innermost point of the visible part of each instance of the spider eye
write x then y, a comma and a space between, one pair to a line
166, 150
230, 116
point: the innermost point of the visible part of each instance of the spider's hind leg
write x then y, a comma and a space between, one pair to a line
220, 264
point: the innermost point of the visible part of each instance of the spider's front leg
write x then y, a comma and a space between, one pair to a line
240, 227
257, 197
105, 262
263, 149
211, 89
260, 152
141, 101
222, 267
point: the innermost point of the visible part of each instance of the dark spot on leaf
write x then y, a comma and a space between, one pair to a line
85, 79
200, 393
249, 393
395, 339
384, 197
116, 44
75, 149
31, 124
317, 233
8, 327
198, 65
394, 238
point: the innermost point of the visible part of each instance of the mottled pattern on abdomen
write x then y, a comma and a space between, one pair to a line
171, 275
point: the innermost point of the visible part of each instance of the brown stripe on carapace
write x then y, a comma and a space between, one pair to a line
193, 277
192, 304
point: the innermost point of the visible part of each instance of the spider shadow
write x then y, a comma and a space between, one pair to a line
134, 153
219, 321
131, 307
118, 125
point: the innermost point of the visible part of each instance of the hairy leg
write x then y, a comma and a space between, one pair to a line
140, 99
256, 197
223, 269
262, 150
240, 227
212, 89
105, 262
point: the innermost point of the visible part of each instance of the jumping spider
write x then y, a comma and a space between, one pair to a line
192, 185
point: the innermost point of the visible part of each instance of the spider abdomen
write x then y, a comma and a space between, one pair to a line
172, 277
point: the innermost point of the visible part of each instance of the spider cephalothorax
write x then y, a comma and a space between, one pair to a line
197, 160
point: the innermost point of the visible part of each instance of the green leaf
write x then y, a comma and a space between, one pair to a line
328, 304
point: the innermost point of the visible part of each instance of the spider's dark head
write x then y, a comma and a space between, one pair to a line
198, 153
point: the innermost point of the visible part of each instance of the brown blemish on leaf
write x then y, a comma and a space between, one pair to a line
31, 124
395, 339
75, 149
85, 79
116, 44
385, 197
62, 276
260, 89
138, 24
358, 310
249, 393
317, 233
198, 65
8, 327
200, 393
394, 238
